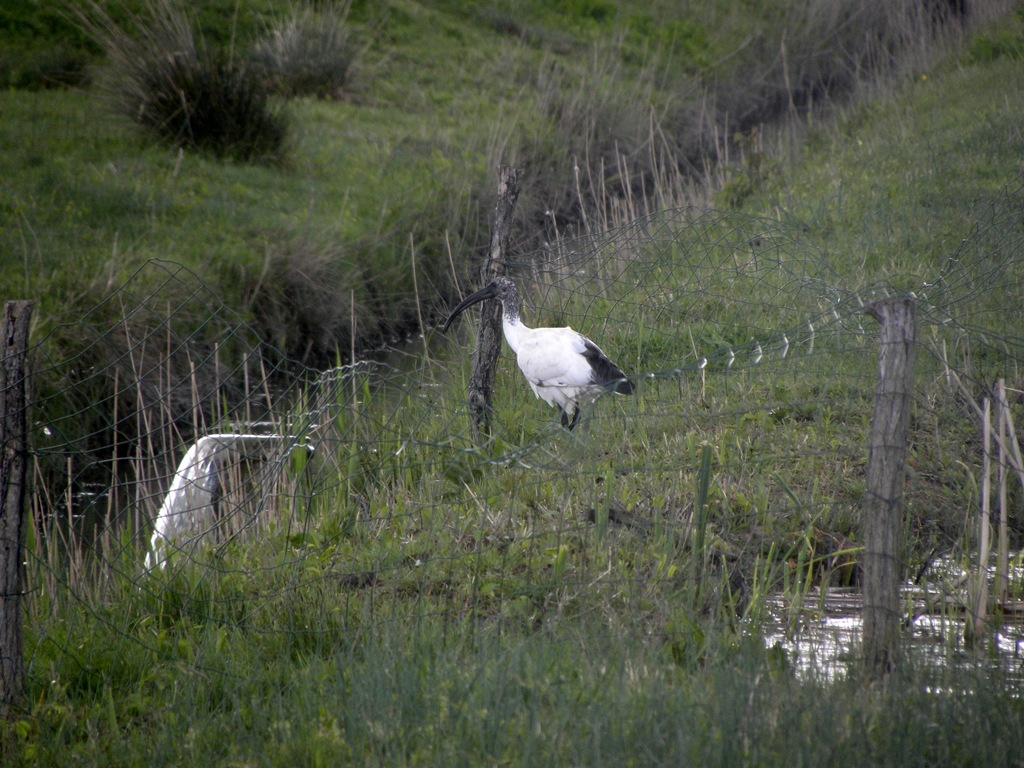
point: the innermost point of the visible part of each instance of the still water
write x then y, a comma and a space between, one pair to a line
822, 636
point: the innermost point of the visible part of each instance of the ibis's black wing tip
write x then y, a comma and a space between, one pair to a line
604, 371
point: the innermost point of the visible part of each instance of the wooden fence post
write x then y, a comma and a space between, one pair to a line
488, 343
13, 440
977, 591
883, 497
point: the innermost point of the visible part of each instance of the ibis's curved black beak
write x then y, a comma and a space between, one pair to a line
487, 292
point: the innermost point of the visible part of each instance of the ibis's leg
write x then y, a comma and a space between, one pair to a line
575, 418
565, 418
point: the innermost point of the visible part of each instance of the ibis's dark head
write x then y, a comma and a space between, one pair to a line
502, 289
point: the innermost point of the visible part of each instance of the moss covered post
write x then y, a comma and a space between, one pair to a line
883, 496
13, 439
488, 343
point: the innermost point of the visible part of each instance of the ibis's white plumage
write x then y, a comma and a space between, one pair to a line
563, 367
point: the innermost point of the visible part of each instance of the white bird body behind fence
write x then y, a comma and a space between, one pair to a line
564, 368
188, 511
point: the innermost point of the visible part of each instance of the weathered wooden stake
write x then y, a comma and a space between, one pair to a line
883, 498
488, 343
1005, 436
974, 628
13, 440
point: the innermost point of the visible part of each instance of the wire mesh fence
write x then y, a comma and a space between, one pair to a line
179, 476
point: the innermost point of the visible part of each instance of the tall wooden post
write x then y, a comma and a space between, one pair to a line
883, 497
1003, 474
977, 592
13, 440
488, 343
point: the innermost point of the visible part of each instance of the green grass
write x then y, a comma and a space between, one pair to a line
444, 91
904, 179
412, 599
316, 688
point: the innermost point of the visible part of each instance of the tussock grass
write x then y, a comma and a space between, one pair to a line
300, 304
165, 79
310, 53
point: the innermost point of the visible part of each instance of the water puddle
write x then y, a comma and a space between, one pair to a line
821, 637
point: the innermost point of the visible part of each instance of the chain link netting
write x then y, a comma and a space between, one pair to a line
178, 473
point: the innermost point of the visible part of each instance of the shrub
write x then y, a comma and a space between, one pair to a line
168, 82
309, 54
310, 300
211, 104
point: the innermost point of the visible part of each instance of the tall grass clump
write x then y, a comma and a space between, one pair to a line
310, 53
182, 92
603, 146
311, 302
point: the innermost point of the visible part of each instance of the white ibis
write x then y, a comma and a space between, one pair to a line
189, 510
564, 368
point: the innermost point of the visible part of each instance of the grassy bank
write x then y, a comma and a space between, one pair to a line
412, 599
317, 248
